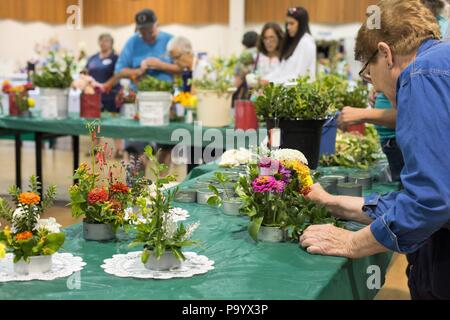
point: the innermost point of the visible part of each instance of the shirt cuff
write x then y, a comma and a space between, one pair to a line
384, 235
370, 204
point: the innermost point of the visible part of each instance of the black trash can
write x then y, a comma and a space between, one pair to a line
302, 135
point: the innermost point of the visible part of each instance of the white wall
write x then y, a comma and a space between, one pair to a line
19, 39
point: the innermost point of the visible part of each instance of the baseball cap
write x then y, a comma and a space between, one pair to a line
145, 18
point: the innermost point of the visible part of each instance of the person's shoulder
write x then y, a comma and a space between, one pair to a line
165, 36
132, 40
308, 40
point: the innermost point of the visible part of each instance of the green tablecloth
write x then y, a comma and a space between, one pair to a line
119, 128
243, 269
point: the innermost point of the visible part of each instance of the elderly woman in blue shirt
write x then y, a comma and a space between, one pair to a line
405, 60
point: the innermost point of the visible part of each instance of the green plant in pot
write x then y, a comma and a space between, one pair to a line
299, 111
53, 81
227, 198
161, 237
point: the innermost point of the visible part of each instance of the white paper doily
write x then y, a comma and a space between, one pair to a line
63, 265
130, 266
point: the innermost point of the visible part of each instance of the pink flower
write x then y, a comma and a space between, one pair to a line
264, 184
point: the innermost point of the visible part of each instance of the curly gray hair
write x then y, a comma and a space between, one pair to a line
180, 43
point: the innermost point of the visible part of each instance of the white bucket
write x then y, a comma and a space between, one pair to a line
154, 108
5, 104
54, 103
214, 109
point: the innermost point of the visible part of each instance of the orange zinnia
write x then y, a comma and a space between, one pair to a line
29, 198
24, 236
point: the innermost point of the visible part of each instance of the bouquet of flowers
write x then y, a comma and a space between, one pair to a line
186, 99
125, 96
100, 196
19, 96
29, 235
56, 73
157, 230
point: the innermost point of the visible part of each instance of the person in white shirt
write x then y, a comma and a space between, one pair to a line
299, 53
269, 49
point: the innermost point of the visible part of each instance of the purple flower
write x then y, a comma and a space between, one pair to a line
286, 174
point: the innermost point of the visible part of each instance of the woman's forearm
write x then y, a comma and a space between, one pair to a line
381, 117
349, 208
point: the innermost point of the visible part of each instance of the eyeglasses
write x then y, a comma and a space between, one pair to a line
363, 74
270, 39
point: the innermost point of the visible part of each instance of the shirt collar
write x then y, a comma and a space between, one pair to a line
427, 44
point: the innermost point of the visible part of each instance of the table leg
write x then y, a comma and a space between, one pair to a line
38, 142
76, 153
18, 151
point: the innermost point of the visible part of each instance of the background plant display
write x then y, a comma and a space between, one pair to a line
355, 150
100, 196
151, 84
20, 95
29, 235
158, 232
56, 73
218, 75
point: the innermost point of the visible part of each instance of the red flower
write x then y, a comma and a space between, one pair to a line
119, 187
116, 205
98, 196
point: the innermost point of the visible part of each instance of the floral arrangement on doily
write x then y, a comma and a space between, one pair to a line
158, 231
272, 188
100, 196
29, 235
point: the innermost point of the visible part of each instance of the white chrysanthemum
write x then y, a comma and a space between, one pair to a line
289, 154
190, 230
18, 213
48, 224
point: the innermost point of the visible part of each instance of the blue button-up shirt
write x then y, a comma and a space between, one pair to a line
405, 220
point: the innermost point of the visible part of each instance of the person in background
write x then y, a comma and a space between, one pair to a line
101, 67
269, 49
145, 53
383, 115
250, 42
298, 54
408, 63
180, 51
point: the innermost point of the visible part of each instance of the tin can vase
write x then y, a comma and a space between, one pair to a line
98, 232
231, 207
166, 262
272, 234
36, 265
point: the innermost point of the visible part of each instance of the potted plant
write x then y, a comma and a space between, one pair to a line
54, 81
161, 237
226, 198
91, 96
19, 101
30, 239
154, 101
268, 198
100, 196
188, 103
300, 112
214, 92
126, 101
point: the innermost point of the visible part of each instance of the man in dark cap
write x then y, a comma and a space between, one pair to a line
146, 51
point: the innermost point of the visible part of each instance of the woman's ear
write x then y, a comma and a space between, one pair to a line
386, 54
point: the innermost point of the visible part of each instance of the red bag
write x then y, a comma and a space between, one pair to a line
245, 115
90, 105
13, 107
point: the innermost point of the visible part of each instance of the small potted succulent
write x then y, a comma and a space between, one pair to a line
161, 237
100, 196
29, 238
226, 197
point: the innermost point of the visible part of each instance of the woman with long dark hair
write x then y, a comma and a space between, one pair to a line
298, 53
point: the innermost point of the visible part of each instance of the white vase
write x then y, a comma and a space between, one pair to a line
54, 103
166, 262
272, 234
214, 109
128, 111
36, 265
154, 108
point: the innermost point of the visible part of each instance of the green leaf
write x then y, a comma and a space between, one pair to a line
53, 242
145, 256
253, 228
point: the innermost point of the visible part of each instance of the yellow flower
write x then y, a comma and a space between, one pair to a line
2, 250
7, 232
31, 103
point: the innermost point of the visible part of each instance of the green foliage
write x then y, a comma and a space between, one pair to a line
223, 179
219, 75
151, 84
159, 233
355, 150
305, 100
56, 74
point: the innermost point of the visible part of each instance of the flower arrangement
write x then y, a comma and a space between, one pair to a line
186, 99
218, 76
157, 231
87, 85
56, 73
273, 191
100, 196
19, 95
29, 235
135, 179
125, 96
